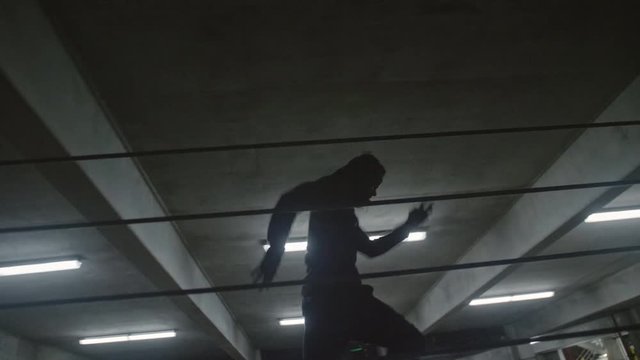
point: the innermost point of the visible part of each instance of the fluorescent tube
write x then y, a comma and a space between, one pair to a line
291, 246
511, 298
302, 245
413, 236
33, 268
104, 339
488, 301
533, 296
292, 321
152, 335
613, 215
416, 236
128, 337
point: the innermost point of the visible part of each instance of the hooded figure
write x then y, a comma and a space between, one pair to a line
337, 307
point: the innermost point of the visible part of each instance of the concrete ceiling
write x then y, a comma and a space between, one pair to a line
177, 74
561, 276
28, 198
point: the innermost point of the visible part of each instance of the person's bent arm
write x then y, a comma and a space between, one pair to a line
373, 248
279, 227
377, 247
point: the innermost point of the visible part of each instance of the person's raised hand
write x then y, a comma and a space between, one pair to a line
419, 215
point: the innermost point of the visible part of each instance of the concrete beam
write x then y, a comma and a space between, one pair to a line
535, 221
72, 121
614, 290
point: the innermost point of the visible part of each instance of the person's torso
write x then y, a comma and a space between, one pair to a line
332, 248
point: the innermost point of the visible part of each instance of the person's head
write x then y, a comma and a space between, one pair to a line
361, 176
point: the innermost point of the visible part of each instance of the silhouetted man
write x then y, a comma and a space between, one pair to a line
336, 306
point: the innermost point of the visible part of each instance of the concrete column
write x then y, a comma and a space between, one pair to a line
632, 341
561, 355
615, 350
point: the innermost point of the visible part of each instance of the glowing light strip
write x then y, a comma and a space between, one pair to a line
512, 298
292, 321
413, 236
34, 268
613, 216
302, 245
128, 337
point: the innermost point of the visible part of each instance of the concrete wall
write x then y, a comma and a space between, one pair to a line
15, 348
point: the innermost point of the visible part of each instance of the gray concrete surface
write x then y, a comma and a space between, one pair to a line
162, 74
619, 288
535, 221
56, 92
16, 348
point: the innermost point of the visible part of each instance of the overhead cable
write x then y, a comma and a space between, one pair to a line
318, 142
237, 213
373, 275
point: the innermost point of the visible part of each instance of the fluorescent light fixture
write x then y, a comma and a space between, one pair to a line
512, 298
493, 300
292, 321
613, 215
534, 342
33, 268
533, 296
291, 246
413, 236
128, 337
104, 339
152, 335
302, 245
416, 236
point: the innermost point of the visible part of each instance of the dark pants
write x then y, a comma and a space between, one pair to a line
332, 319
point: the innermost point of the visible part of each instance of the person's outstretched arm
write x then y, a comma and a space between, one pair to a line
373, 248
288, 207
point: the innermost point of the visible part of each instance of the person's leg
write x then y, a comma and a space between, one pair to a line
322, 345
381, 325
326, 331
